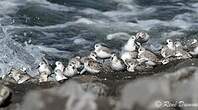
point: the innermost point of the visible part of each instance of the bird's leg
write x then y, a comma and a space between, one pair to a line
103, 61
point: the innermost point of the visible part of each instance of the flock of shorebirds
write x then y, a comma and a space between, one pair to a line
133, 57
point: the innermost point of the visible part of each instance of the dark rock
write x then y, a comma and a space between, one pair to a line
5, 95
38, 100
181, 74
183, 86
69, 96
143, 94
97, 89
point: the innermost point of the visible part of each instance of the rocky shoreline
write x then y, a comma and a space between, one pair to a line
107, 88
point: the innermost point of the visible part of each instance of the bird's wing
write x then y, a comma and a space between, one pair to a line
105, 49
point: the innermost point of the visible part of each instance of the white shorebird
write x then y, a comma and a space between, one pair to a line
91, 66
192, 43
76, 62
168, 50
44, 71
70, 70
131, 65
44, 68
147, 56
59, 71
91, 56
193, 47
194, 52
24, 78
117, 63
43, 77
128, 55
178, 44
14, 74
180, 53
59, 66
102, 51
142, 37
19, 76
130, 45
59, 75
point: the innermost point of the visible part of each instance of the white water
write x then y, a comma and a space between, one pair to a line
62, 30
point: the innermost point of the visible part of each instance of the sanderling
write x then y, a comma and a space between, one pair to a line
128, 55
43, 77
117, 63
59, 75
131, 65
44, 70
193, 47
170, 44
70, 70
76, 62
194, 52
130, 45
168, 50
102, 51
19, 76
23, 78
142, 37
91, 66
59, 71
91, 56
178, 44
8, 78
147, 56
59, 66
15, 74
192, 43
5, 92
182, 54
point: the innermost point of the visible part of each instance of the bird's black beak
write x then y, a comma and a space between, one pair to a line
111, 58
53, 65
37, 66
